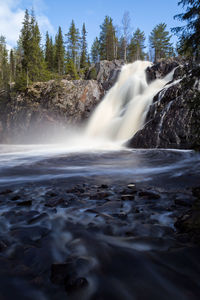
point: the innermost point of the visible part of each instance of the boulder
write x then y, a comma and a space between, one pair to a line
106, 72
173, 120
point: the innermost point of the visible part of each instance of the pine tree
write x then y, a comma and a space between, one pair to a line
70, 67
160, 41
136, 46
59, 52
83, 59
33, 67
26, 45
49, 53
4, 68
73, 43
95, 51
107, 40
189, 35
12, 65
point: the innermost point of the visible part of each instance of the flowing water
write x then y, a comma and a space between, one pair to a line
90, 219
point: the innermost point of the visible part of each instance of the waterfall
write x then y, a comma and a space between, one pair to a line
123, 110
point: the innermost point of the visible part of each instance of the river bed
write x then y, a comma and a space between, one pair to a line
96, 224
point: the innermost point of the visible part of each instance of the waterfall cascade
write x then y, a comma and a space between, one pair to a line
123, 110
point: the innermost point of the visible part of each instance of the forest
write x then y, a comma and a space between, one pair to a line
68, 55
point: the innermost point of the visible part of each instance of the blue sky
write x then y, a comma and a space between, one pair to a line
144, 14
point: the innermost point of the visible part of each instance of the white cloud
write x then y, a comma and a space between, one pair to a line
10, 20
12, 15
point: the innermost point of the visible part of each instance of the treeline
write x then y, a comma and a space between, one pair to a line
130, 47
67, 54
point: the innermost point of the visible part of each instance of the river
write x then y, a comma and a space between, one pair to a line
96, 224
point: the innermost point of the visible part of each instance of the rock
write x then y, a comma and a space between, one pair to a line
65, 274
161, 68
25, 203
50, 107
173, 120
148, 195
6, 192
106, 72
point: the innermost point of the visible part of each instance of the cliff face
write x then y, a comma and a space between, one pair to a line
48, 107
173, 120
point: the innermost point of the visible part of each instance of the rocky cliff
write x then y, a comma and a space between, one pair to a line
173, 120
49, 107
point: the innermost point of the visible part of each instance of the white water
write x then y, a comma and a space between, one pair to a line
123, 111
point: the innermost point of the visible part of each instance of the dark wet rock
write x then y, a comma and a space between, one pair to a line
3, 245
74, 285
5, 192
99, 243
25, 203
15, 217
54, 202
37, 218
196, 192
190, 223
183, 202
104, 186
173, 120
16, 197
65, 274
149, 195
29, 234
161, 69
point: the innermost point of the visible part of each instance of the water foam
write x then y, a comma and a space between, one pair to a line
123, 110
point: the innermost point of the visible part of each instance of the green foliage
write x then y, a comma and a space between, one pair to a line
189, 35
93, 74
21, 82
4, 68
83, 59
70, 68
136, 46
73, 43
12, 65
160, 42
59, 52
95, 51
49, 53
33, 65
107, 40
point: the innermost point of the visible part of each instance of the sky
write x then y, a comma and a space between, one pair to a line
50, 14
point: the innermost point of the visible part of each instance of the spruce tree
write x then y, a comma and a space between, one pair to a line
26, 45
33, 67
59, 52
83, 59
12, 66
95, 51
49, 53
73, 43
160, 42
136, 46
70, 67
107, 40
4, 68
189, 35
